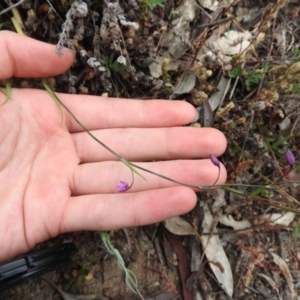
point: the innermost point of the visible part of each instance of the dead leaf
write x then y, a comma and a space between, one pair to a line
177, 38
285, 271
215, 253
183, 264
179, 226
216, 100
208, 118
185, 85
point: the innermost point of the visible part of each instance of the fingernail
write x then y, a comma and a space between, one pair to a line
197, 116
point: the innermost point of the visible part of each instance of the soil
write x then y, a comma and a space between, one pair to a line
259, 114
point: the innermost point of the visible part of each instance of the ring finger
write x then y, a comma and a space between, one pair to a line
103, 177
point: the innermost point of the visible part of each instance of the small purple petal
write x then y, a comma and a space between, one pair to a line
122, 187
214, 160
289, 157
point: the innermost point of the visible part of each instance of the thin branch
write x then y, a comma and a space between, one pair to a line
11, 7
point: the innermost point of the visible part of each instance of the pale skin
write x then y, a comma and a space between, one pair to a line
55, 178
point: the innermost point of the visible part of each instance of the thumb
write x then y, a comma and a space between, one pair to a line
21, 56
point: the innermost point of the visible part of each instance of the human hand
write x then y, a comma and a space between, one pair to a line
55, 178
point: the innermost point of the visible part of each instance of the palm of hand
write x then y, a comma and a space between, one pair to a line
38, 158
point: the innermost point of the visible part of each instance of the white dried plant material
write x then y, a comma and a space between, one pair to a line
80, 29
229, 221
121, 60
177, 37
156, 66
232, 42
277, 219
83, 53
134, 4
215, 253
219, 199
113, 13
214, 4
285, 272
221, 48
77, 10
215, 35
92, 61
280, 36
217, 99
109, 29
285, 124
134, 25
210, 4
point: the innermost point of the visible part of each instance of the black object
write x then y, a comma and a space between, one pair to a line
35, 264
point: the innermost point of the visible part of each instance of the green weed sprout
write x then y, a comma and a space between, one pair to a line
112, 65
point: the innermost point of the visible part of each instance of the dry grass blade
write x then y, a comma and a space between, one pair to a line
7, 91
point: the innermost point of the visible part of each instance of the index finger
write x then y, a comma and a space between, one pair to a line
22, 56
102, 113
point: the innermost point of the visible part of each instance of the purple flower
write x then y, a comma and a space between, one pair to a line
214, 160
289, 157
122, 187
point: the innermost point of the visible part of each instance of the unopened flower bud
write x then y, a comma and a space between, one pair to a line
289, 157
214, 160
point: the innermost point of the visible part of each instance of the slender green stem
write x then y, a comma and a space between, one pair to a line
87, 131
